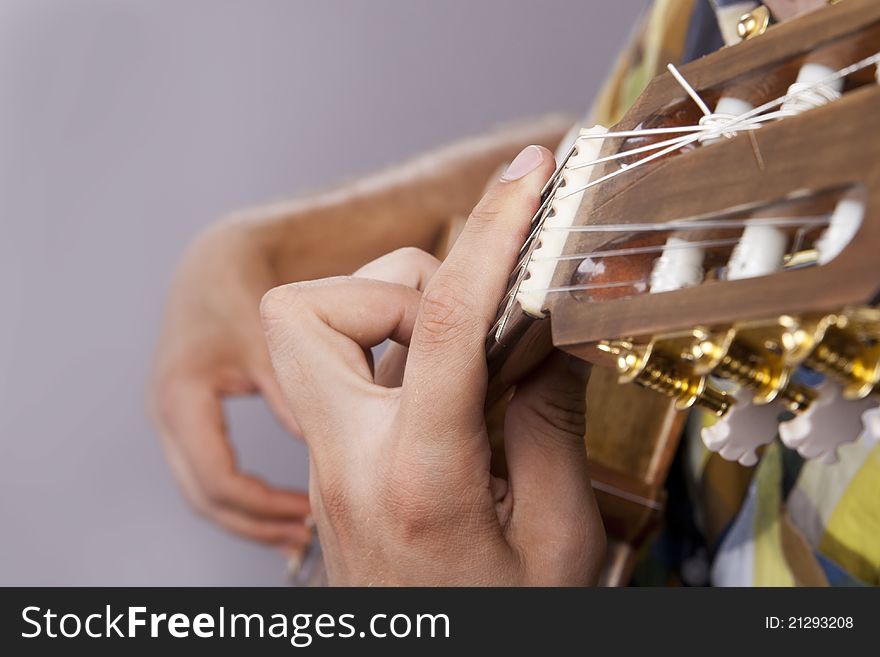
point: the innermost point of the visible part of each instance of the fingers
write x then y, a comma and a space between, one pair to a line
553, 502
411, 267
198, 431
446, 371
191, 425
288, 536
408, 266
318, 333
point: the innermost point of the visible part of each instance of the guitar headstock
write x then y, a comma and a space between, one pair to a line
727, 227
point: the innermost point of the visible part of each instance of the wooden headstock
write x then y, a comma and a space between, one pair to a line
799, 166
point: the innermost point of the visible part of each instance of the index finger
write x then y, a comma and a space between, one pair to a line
445, 379
318, 333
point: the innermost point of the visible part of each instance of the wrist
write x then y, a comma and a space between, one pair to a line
247, 237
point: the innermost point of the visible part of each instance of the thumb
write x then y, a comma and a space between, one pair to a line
554, 509
445, 377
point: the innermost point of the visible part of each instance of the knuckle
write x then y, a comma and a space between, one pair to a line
401, 496
417, 514
279, 302
413, 520
486, 215
410, 519
444, 313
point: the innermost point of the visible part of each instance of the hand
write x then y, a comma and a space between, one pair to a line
400, 480
213, 346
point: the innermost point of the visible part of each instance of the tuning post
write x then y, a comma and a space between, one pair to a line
850, 354
641, 364
616, 347
767, 380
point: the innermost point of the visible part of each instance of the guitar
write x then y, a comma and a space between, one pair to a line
718, 248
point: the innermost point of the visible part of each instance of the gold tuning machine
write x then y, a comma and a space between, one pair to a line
759, 356
849, 352
641, 364
753, 23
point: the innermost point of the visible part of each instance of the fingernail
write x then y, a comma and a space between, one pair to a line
294, 564
527, 161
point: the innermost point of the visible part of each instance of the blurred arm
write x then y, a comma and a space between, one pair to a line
336, 232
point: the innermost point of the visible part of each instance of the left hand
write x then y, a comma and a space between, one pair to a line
400, 481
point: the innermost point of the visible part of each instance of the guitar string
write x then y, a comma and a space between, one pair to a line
586, 287
631, 283
741, 121
639, 250
688, 89
724, 126
695, 224
548, 194
809, 222
520, 269
526, 251
801, 223
538, 225
802, 226
622, 154
677, 226
540, 216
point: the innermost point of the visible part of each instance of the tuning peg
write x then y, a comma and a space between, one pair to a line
759, 252
871, 424
845, 221
745, 428
753, 23
830, 422
680, 265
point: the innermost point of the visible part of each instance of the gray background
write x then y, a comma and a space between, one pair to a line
128, 126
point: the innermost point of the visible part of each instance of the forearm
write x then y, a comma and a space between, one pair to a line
335, 232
